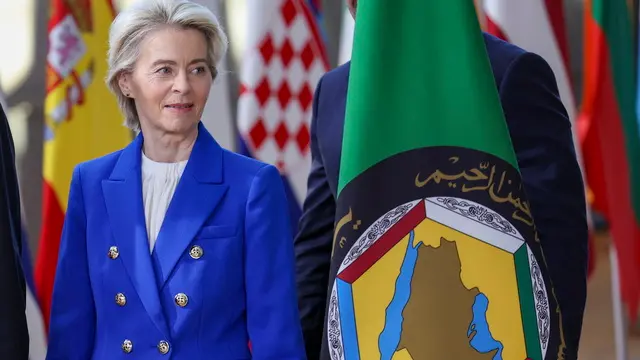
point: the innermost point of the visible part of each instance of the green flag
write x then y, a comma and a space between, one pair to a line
435, 252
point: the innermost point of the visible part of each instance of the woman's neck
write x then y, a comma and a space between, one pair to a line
168, 148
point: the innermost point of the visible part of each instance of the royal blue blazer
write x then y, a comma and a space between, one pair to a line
225, 246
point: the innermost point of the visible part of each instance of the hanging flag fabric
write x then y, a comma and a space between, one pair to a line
348, 24
82, 120
284, 61
435, 252
217, 116
609, 133
346, 37
482, 17
539, 26
35, 322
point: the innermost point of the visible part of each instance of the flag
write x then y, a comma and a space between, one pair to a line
608, 126
346, 37
82, 120
435, 252
284, 61
346, 32
35, 323
482, 17
217, 116
539, 26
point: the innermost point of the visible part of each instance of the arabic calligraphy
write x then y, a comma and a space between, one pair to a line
342, 222
482, 178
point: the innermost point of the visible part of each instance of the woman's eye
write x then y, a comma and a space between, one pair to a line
199, 70
164, 70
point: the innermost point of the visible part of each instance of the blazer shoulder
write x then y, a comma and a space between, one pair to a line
502, 55
240, 166
338, 76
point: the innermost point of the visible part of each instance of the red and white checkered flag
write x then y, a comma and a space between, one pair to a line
285, 59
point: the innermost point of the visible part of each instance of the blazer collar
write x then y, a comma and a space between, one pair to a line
205, 151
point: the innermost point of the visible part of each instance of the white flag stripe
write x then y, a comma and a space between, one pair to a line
346, 37
283, 62
217, 116
526, 24
37, 334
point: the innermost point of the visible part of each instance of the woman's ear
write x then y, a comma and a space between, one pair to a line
124, 81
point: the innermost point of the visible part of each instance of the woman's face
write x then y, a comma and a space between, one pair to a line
170, 81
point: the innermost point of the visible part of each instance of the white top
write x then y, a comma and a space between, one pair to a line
159, 182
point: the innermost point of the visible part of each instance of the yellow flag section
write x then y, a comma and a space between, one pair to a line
82, 120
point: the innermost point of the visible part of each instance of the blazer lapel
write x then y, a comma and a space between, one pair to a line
123, 197
198, 193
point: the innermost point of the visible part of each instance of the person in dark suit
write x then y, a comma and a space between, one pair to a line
14, 336
542, 138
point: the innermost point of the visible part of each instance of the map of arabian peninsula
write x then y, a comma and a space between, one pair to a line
414, 305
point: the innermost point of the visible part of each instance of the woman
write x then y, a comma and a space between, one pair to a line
173, 247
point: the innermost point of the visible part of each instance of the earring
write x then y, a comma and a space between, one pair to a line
127, 94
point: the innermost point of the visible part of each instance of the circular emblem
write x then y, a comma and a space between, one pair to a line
433, 261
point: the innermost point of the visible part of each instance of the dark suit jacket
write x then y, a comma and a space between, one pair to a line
14, 337
541, 135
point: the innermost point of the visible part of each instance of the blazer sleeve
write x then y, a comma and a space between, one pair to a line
542, 138
73, 316
313, 244
272, 313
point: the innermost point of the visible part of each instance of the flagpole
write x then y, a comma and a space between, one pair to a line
619, 333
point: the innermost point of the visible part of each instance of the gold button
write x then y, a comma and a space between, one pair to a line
196, 252
163, 347
113, 252
121, 299
127, 346
181, 299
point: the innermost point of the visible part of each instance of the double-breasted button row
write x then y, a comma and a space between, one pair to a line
163, 346
195, 252
181, 299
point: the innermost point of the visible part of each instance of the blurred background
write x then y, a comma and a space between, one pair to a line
556, 29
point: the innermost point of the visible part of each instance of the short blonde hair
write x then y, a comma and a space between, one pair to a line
132, 25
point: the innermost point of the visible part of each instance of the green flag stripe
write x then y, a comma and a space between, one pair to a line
614, 19
427, 82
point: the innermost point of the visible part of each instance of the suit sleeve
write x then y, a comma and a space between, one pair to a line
272, 314
14, 337
542, 138
313, 244
73, 316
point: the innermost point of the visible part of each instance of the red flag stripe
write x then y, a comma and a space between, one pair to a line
46, 261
